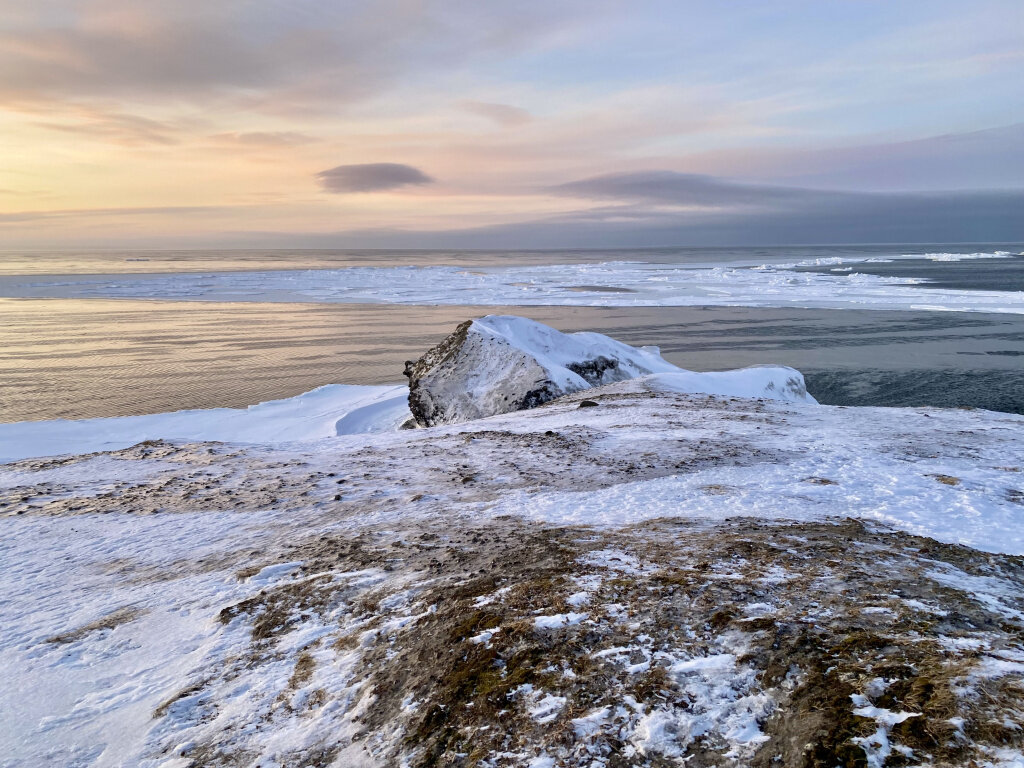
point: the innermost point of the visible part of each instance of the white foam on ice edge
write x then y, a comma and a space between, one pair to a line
615, 283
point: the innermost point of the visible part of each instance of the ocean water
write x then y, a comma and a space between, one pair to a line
123, 333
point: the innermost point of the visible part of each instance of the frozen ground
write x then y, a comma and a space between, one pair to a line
608, 284
667, 578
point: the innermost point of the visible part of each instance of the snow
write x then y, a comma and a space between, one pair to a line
89, 475
772, 381
615, 560
991, 591
274, 572
722, 700
877, 747
965, 256
339, 410
591, 723
497, 363
609, 284
886, 717
871, 455
882, 462
546, 709
554, 350
484, 637
335, 409
559, 620
101, 689
79, 691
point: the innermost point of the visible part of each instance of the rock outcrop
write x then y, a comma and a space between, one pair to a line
498, 364
502, 363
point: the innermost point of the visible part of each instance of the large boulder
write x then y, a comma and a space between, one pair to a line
500, 363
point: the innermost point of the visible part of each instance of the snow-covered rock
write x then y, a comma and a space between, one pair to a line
503, 363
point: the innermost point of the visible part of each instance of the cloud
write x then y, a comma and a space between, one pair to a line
654, 207
301, 55
371, 177
987, 159
264, 138
115, 127
665, 209
685, 189
503, 114
89, 213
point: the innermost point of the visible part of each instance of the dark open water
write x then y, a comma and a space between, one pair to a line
970, 274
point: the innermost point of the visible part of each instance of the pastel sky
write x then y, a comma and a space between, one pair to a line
513, 124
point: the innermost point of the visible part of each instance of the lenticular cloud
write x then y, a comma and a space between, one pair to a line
371, 177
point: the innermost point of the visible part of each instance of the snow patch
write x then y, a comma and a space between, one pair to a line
328, 411
546, 709
559, 620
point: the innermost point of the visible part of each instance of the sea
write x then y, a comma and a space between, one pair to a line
117, 333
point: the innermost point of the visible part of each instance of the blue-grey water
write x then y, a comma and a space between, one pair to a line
76, 358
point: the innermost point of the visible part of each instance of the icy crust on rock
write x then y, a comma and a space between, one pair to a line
503, 363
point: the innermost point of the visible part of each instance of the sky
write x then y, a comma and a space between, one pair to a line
519, 124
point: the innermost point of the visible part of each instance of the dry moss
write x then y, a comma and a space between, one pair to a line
304, 666
461, 703
110, 621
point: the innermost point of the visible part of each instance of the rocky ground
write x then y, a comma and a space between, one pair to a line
660, 580
666, 643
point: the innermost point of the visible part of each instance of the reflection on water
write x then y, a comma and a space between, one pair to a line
79, 359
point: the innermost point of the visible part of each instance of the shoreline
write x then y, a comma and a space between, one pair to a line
62, 355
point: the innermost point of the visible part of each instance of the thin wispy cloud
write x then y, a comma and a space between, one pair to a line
118, 128
264, 138
94, 213
312, 54
502, 114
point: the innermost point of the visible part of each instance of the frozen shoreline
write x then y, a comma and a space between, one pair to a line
608, 284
